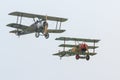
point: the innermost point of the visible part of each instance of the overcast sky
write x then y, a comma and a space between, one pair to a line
30, 58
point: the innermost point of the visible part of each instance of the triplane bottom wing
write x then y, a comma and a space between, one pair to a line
69, 53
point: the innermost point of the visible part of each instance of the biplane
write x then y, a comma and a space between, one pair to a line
39, 26
75, 48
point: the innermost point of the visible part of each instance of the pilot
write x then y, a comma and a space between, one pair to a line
83, 48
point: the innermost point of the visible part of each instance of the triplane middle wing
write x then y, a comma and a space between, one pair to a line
39, 26
76, 49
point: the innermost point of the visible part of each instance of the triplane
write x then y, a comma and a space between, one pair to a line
39, 26
79, 50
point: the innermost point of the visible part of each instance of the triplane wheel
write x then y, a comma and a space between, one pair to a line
87, 57
77, 56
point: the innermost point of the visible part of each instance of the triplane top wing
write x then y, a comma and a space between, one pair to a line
77, 39
29, 15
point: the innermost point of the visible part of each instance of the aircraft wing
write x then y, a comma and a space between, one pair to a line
77, 39
69, 45
69, 53
14, 31
20, 32
18, 26
29, 15
55, 31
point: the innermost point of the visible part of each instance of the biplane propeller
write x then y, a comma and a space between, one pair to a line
75, 48
39, 26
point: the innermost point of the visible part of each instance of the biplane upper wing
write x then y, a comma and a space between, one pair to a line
18, 26
55, 31
43, 17
77, 39
69, 53
69, 45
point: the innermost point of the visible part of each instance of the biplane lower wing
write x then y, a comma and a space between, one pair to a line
69, 53
22, 29
55, 31
69, 45
43, 17
77, 39
18, 26
20, 32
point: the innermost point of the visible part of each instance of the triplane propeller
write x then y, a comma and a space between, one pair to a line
39, 26
79, 50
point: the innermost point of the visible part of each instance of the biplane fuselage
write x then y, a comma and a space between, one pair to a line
35, 27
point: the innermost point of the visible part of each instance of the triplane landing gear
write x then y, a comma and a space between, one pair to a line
77, 57
87, 57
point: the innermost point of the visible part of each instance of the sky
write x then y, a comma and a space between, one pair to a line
30, 58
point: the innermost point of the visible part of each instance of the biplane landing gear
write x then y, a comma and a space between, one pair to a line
37, 34
18, 33
87, 57
46, 36
77, 56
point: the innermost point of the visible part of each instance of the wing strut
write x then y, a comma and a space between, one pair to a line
17, 19
64, 45
34, 19
94, 47
21, 19
56, 24
60, 25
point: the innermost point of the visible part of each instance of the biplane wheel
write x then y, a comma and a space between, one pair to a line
87, 57
17, 34
37, 34
47, 36
45, 24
